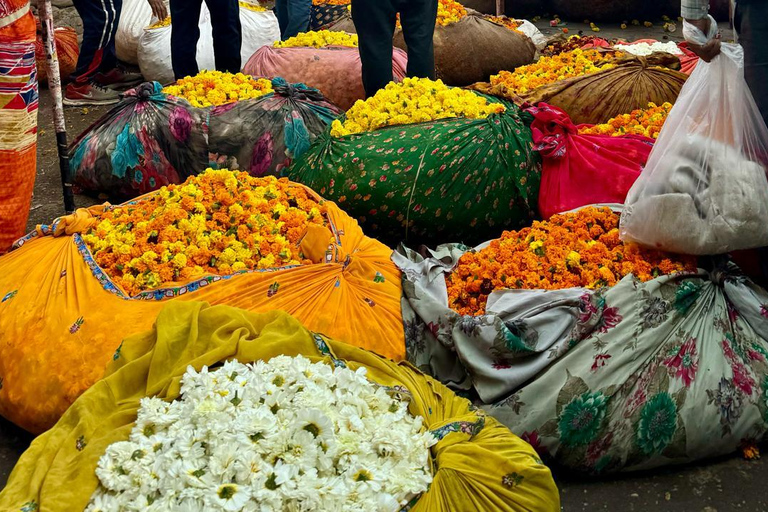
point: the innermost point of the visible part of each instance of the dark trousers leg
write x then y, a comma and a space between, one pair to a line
97, 52
418, 19
296, 15
185, 32
375, 24
752, 26
281, 12
227, 34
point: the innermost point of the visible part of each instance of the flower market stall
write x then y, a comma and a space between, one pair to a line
604, 356
157, 136
328, 61
221, 237
328, 455
465, 169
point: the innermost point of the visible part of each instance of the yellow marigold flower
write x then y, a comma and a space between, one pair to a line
573, 258
319, 39
212, 88
415, 100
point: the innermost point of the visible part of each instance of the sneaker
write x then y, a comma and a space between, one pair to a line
89, 94
118, 78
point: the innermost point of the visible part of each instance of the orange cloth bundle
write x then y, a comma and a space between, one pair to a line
62, 317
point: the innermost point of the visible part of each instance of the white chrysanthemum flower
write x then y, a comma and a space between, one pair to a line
284, 435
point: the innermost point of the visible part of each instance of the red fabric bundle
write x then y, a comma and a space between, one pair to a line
580, 170
688, 60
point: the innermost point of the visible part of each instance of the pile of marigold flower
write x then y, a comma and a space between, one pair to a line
504, 21
579, 249
319, 39
415, 100
449, 12
552, 69
573, 43
331, 2
646, 122
211, 88
218, 222
165, 22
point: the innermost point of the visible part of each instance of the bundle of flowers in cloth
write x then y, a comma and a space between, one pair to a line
328, 61
422, 159
67, 49
567, 44
584, 165
600, 373
157, 136
223, 237
594, 90
223, 409
259, 27
325, 13
469, 48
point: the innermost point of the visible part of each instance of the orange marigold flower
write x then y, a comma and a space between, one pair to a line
580, 249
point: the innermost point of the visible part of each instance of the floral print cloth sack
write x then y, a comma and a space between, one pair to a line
152, 139
632, 377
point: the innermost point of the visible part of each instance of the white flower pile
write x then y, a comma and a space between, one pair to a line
286, 435
645, 49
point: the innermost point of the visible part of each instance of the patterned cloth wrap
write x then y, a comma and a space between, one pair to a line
463, 178
633, 377
59, 310
152, 139
57, 473
18, 118
324, 15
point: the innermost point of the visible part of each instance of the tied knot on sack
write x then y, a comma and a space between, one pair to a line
296, 91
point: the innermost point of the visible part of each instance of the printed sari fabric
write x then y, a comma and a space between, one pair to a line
18, 118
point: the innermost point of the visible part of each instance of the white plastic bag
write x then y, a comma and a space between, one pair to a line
155, 50
135, 16
704, 189
259, 29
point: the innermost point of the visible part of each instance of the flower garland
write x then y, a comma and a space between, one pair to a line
415, 100
552, 69
287, 434
646, 122
579, 249
218, 222
213, 88
319, 39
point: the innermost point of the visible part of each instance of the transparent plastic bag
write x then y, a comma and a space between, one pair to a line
704, 189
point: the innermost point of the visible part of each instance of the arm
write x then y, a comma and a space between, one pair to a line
696, 12
158, 9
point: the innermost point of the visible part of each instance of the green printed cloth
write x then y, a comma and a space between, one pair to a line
455, 178
633, 377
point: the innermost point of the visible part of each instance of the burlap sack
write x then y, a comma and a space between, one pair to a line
473, 49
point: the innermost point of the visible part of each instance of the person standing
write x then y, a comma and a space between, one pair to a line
185, 32
98, 74
375, 24
293, 16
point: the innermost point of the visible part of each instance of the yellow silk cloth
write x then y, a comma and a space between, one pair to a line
480, 465
60, 324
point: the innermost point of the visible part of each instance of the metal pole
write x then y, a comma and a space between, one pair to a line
499, 7
54, 86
